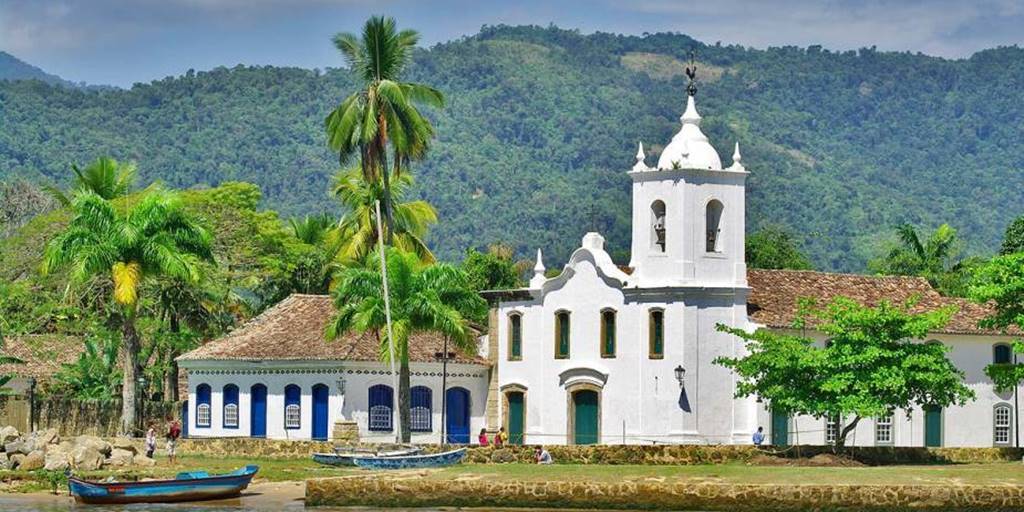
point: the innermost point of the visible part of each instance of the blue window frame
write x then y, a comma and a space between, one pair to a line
230, 412
421, 411
292, 407
203, 406
381, 407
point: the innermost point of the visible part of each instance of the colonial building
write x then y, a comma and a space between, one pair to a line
600, 353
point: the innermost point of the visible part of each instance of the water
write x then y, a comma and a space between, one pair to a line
251, 502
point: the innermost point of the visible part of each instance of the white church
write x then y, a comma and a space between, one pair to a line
599, 354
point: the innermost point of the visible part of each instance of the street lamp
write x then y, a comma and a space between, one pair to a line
681, 376
444, 357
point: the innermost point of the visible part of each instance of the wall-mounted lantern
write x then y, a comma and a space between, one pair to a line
681, 376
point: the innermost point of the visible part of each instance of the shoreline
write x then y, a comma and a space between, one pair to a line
281, 495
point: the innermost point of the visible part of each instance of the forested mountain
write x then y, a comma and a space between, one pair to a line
13, 68
542, 125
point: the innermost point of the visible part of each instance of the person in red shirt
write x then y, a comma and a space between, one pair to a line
173, 433
482, 439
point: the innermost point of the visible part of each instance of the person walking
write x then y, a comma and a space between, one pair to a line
759, 437
173, 433
501, 438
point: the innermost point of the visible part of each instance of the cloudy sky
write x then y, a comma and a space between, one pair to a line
122, 42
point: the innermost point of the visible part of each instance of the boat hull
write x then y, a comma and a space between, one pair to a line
162, 491
346, 459
434, 460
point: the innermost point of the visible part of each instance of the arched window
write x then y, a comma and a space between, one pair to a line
656, 334
421, 412
713, 220
380, 408
562, 335
515, 337
1002, 418
230, 418
1002, 354
608, 333
658, 226
203, 405
292, 407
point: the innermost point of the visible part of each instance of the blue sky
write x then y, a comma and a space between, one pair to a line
122, 42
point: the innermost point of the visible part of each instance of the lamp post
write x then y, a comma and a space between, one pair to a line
31, 404
141, 397
444, 357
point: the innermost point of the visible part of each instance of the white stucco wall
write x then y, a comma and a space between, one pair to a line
350, 405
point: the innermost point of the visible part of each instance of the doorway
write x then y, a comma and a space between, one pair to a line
258, 411
457, 415
585, 417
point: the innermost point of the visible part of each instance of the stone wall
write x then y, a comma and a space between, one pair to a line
72, 417
378, 491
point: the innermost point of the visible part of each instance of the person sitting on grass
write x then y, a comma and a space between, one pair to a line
541, 455
482, 438
759, 437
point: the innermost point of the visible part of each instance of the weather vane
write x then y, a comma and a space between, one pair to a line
691, 72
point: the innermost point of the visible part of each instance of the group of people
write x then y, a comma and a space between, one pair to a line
540, 455
171, 435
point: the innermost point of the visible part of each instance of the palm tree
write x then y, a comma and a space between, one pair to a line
181, 302
412, 219
105, 177
433, 298
935, 259
94, 375
383, 115
154, 238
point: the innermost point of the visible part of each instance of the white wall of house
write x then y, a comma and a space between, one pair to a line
351, 405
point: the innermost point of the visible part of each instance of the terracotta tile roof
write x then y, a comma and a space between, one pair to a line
43, 354
775, 294
293, 329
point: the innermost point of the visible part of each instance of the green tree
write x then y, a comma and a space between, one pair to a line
774, 247
1013, 239
491, 270
412, 219
1001, 283
323, 238
936, 259
104, 177
423, 297
873, 364
95, 374
384, 113
154, 238
188, 310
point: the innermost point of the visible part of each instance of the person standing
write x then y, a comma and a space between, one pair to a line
501, 438
759, 437
482, 438
150, 442
173, 433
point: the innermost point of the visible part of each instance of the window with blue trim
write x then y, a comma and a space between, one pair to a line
421, 412
203, 405
230, 417
381, 406
292, 407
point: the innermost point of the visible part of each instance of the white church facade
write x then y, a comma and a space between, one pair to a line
600, 353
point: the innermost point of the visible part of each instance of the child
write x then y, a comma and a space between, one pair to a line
482, 438
150, 442
501, 438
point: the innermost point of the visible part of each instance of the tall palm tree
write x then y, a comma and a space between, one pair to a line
154, 238
105, 177
383, 115
935, 258
412, 219
423, 298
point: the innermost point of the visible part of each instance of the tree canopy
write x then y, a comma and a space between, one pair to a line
773, 247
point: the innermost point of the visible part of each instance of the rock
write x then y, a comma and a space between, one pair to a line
17, 446
56, 461
5, 462
119, 457
124, 443
144, 461
93, 442
45, 437
8, 434
503, 455
33, 461
16, 459
87, 458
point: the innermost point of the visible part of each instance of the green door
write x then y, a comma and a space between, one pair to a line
585, 417
515, 418
932, 425
780, 428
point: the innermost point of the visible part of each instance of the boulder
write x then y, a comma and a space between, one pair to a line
33, 461
5, 461
17, 446
93, 442
124, 443
16, 459
119, 457
87, 458
56, 461
8, 434
143, 461
45, 437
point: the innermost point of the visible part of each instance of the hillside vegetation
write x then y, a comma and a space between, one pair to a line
542, 124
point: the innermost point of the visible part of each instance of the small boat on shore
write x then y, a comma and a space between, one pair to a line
430, 460
344, 458
186, 486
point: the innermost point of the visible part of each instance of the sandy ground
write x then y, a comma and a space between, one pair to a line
259, 496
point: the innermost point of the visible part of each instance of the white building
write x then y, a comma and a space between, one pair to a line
600, 353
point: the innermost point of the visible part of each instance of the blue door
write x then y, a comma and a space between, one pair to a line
320, 395
258, 411
457, 415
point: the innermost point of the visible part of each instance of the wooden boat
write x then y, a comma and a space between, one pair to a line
341, 458
187, 486
430, 460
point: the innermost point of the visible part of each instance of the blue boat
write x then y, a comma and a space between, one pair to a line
342, 458
431, 460
186, 486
